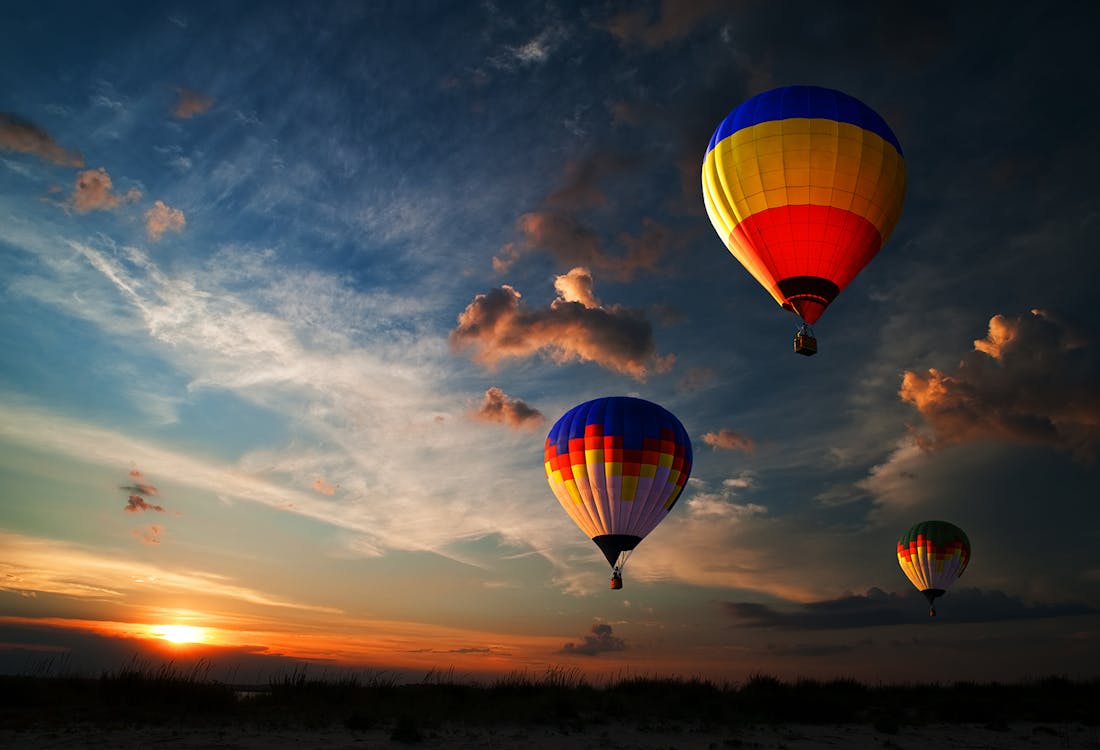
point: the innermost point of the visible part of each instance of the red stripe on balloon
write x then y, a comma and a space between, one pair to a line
808, 240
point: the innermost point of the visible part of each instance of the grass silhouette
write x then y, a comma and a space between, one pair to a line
143, 694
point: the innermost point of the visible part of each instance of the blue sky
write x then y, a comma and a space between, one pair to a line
241, 251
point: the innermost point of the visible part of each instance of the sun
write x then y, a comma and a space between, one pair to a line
180, 633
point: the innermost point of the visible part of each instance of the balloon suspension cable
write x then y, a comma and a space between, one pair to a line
623, 557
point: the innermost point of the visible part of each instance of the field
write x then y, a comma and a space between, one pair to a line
138, 707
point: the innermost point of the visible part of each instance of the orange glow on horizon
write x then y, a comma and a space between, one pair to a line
396, 645
180, 634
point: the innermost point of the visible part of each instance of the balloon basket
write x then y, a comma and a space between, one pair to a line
805, 344
616, 582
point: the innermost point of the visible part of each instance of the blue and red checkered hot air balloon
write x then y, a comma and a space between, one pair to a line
804, 184
617, 465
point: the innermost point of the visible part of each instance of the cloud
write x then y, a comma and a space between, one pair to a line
190, 103
727, 439
161, 218
877, 608
676, 20
320, 485
577, 286
599, 641
140, 488
556, 228
582, 181
93, 192
496, 326
136, 503
17, 134
359, 373
56, 566
573, 243
1032, 379
713, 506
149, 534
498, 406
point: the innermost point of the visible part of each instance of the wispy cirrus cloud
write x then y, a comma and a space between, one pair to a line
23, 136
324, 487
496, 325
357, 371
52, 566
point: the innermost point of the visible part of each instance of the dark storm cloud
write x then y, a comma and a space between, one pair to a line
727, 439
1032, 379
18, 134
496, 325
136, 504
877, 608
498, 406
599, 641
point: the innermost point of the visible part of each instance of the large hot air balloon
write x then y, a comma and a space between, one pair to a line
804, 184
933, 554
617, 466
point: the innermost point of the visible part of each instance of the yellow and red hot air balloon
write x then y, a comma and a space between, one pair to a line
933, 555
804, 184
617, 465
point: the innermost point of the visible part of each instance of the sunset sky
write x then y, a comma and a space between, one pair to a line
293, 292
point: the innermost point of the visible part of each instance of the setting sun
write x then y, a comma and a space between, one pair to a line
180, 633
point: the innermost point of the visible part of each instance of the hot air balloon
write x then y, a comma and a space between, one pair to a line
617, 465
804, 184
933, 554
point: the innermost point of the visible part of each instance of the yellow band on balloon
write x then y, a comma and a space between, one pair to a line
803, 161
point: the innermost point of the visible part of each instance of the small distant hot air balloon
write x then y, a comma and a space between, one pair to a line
804, 184
617, 465
933, 554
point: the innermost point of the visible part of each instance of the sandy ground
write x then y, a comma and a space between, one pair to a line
602, 737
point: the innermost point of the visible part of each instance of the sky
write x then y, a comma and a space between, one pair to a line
292, 293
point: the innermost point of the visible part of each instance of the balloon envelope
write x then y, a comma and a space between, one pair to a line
803, 184
617, 465
933, 554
